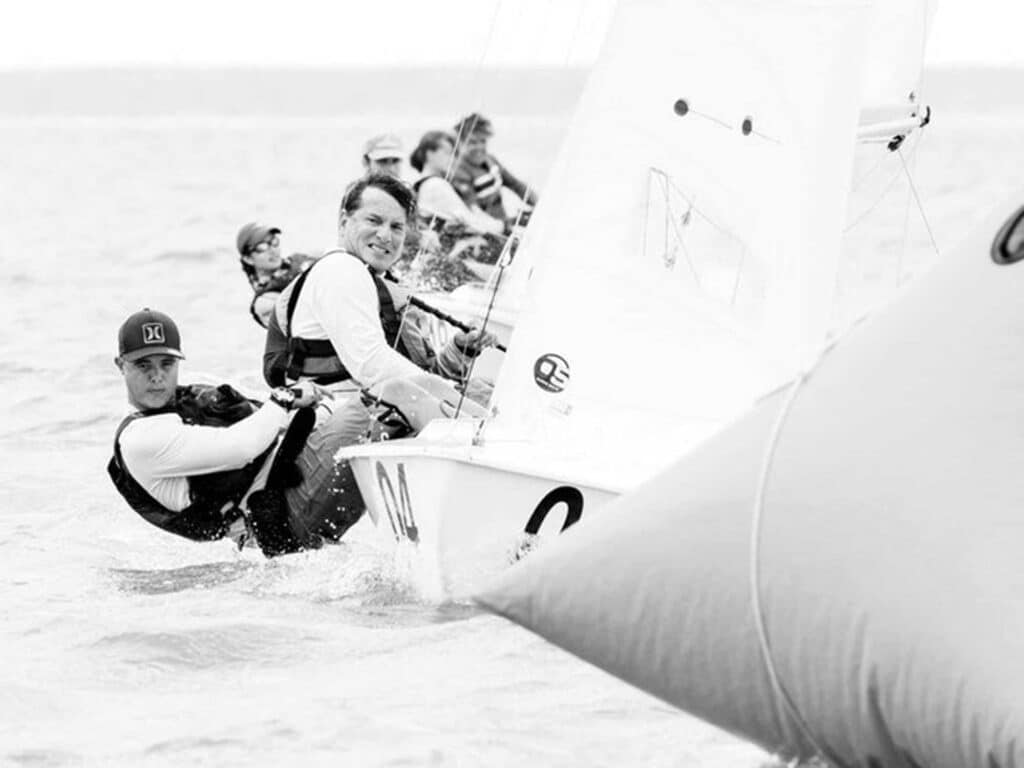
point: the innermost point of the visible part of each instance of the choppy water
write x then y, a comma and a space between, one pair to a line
123, 646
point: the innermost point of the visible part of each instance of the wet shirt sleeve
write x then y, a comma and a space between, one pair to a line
437, 197
161, 447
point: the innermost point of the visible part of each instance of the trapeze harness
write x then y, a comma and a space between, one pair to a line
214, 497
287, 357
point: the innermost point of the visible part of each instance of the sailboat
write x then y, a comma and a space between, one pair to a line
684, 255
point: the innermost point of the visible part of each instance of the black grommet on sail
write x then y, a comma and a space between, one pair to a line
681, 107
1008, 245
747, 126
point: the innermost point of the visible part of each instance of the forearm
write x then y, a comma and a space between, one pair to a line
195, 450
523, 190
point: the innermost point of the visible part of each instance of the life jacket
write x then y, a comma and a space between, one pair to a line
290, 268
214, 497
485, 181
488, 183
287, 357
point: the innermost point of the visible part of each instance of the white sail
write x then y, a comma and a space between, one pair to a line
897, 34
685, 249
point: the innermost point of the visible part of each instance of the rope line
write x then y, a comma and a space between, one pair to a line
782, 694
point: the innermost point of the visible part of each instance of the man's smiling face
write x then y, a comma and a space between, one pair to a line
374, 232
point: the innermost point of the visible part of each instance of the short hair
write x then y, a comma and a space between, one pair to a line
473, 124
431, 140
389, 185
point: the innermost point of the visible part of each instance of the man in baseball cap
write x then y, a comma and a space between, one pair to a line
148, 332
199, 461
384, 154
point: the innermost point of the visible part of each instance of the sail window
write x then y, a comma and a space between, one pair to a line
1008, 247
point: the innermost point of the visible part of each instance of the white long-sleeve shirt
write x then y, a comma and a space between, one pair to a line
437, 197
339, 302
161, 452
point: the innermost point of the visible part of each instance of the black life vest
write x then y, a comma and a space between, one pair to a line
214, 497
286, 357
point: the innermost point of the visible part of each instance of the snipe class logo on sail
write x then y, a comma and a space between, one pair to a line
551, 372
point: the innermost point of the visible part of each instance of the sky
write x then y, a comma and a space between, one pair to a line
51, 34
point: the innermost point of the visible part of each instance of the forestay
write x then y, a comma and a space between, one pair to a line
686, 246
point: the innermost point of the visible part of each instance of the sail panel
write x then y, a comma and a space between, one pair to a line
685, 249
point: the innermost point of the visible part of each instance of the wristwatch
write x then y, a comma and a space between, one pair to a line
284, 397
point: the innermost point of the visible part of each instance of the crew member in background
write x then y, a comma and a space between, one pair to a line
479, 177
345, 324
206, 463
469, 241
259, 252
383, 155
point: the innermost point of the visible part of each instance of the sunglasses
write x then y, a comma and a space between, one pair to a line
273, 242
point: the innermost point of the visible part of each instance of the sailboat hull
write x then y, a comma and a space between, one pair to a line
466, 516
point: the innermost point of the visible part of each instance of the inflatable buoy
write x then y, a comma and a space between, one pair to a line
841, 572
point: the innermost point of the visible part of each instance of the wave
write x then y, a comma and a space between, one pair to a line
205, 647
169, 580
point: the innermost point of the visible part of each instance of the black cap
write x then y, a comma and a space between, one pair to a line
148, 333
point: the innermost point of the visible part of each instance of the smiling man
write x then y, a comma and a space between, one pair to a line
207, 463
342, 321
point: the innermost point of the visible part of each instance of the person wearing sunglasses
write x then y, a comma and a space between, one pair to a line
259, 251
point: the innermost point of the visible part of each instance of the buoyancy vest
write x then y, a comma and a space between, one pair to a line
290, 268
288, 357
214, 497
481, 186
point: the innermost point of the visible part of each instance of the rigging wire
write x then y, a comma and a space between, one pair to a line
477, 90
503, 262
897, 174
505, 259
920, 207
